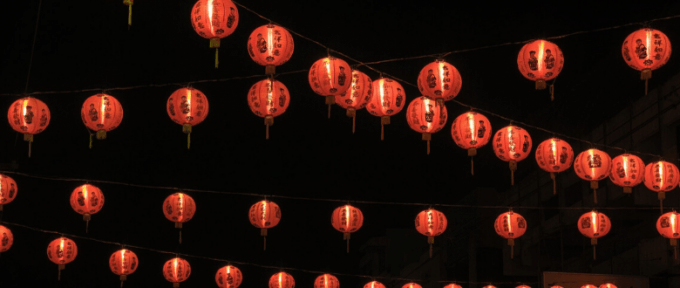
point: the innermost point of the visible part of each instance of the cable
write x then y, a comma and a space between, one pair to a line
35, 35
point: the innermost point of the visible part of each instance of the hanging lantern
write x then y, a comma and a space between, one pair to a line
554, 156
347, 219
176, 270
281, 280
214, 19
129, 4
326, 281
228, 277
592, 165
594, 225
101, 113
646, 50
627, 171
608, 285
431, 223
123, 263
661, 177
273, 45
87, 200
28, 116
264, 215
471, 131
388, 99
8, 190
374, 284
179, 208
411, 285
62, 251
357, 96
512, 144
669, 227
268, 98
510, 225
440, 81
328, 77
453, 286
540, 61
426, 116
6, 239
188, 107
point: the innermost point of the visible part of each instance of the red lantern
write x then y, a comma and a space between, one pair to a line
268, 98
264, 215
512, 144
374, 284
608, 285
273, 45
347, 219
668, 226
214, 19
281, 280
661, 177
540, 61
510, 225
646, 50
440, 81
426, 116
87, 200
129, 4
176, 270
188, 107
62, 251
554, 155
411, 285
627, 171
592, 165
388, 99
326, 281
6, 239
123, 262
594, 225
357, 96
228, 277
28, 116
431, 223
328, 77
101, 113
471, 131
179, 208
8, 190
453, 286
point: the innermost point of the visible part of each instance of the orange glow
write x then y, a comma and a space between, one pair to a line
441, 75
648, 39
122, 260
61, 246
471, 122
264, 213
509, 217
174, 266
210, 16
541, 48
180, 207
280, 275
189, 102
328, 70
593, 217
270, 42
23, 119
661, 170
346, 217
382, 94
673, 225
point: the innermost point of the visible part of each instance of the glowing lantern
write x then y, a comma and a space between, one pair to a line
129, 4
510, 225
556, 286
431, 223
326, 281
411, 285
347, 219
426, 116
471, 131
176, 270
228, 277
179, 208
101, 113
268, 98
388, 99
554, 156
62, 251
453, 286
328, 77
123, 262
8, 190
357, 96
646, 50
6, 239
374, 284
540, 61
28, 116
270, 46
669, 227
512, 144
188, 107
594, 225
661, 177
627, 171
589, 286
440, 81
87, 200
592, 165
281, 280
214, 19
608, 285
264, 215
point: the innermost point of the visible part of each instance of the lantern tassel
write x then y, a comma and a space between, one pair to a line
472, 166
215, 43
354, 123
511, 243
427, 137
593, 241
60, 267
29, 148
268, 121
385, 120
263, 233
645, 75
430, 240
513, 167
175, 285
217, 57
346, 236
552, 176
552, 92
330, 100
382, 132
189, 141
90, 140
129, 24
121, 284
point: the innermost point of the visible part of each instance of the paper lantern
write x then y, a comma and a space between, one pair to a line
540, 61
554, 156
646, 50
388, 99
123, 263
214, 20
594, 225
357, 96
328, 77
268, 98
426, 116
326, 281
87, 200
179, 208
6, 239
228, 277
669, 227
661, 177
347, 219
431, 223
101, 113
411, 285
510, 225
512, 144
374, 284
471, 131
453, 286
281, 280
270, 46
187, 107
8, 190
62, 251
627, 171
608, 285
440, 81
129, 4
592, 165
264, 215
28, 116
176, 270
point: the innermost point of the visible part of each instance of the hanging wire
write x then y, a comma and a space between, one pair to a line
35, 36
